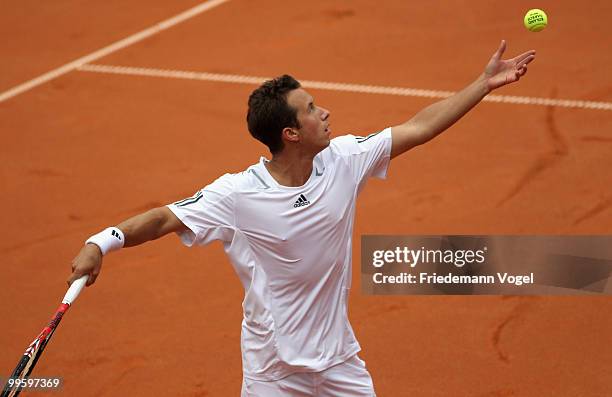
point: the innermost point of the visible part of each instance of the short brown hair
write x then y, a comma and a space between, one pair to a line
269, 113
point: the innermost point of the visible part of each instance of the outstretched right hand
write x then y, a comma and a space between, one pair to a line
88, 261
500, 71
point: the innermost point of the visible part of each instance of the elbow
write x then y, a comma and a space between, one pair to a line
161, 221
154, 223
406, 137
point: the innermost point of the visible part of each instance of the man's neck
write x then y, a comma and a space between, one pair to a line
290, 170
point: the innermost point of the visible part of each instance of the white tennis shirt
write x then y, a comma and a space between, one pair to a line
291, 249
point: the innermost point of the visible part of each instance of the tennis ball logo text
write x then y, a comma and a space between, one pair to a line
413, 257
531, 19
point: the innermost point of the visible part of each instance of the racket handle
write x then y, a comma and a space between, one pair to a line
74, 290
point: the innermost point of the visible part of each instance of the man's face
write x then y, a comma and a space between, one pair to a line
314, 120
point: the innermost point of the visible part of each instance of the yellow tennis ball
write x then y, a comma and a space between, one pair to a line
535, 20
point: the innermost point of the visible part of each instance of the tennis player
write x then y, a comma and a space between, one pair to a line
286, 225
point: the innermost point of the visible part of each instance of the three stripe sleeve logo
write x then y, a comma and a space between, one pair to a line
362, 139
301, 201
190, 200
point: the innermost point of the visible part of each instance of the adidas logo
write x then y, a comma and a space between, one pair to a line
116, 235
301, 201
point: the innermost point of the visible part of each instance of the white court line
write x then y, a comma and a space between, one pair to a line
168, 23
368, 89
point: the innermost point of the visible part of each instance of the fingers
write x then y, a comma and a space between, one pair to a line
74, 276
500, 51
519, 60
524, 58
525, 55
519, 73
92, 277
88, 262
78, 274
75, 273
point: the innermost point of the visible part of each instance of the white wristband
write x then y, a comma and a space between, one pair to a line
110, 239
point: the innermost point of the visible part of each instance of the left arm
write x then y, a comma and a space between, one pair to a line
436, 118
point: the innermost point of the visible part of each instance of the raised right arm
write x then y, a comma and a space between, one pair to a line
139, 229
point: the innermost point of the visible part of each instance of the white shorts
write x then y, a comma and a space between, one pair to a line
348, 379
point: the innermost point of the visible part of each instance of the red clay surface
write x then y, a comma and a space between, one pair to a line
88, 150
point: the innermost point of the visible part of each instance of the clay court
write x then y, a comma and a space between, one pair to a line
151, 121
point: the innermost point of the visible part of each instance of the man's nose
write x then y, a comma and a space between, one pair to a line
324, 113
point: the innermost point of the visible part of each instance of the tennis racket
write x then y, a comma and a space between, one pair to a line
34, 351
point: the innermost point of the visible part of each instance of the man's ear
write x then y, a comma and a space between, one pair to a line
290, 134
